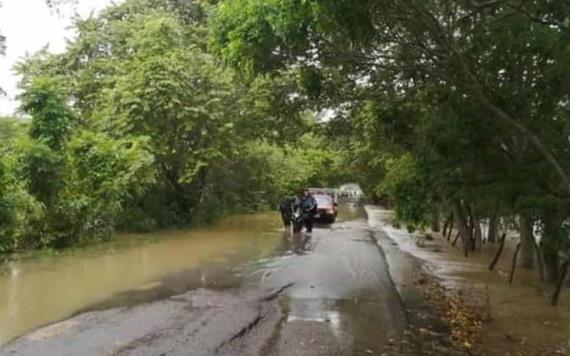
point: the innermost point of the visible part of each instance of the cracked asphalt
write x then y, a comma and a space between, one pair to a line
327, 293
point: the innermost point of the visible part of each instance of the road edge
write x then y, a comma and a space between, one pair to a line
429, 330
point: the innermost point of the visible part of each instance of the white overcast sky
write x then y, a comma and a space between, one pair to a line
28, 26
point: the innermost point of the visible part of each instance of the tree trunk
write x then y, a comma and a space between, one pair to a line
469, 218
456, 238
197, 188
450, 230
527, 246
471, 226
561, 281
447, 224
435, 223
463, 227
540, 260
499, 251
478, 235
549, 245
493, 227
514, 264
551, 261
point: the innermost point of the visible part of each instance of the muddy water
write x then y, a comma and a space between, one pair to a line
41, 288
37, 289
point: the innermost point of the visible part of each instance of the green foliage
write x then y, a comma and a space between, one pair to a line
245, 33
259, 176
438, 101
405, 182
21, 215
42, 169
61, 186
10, 130
21, 219
263, 36
136, 126
102, 173
44, 99
269, 110
173, 93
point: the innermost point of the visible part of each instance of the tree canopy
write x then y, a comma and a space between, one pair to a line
138, 126
459, 106
167, 112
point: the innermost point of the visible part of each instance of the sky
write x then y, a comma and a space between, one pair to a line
29, 25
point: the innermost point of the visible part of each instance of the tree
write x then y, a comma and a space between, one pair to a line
436, 42
102, 173
137, 126
474, 92
44, 99
81, 178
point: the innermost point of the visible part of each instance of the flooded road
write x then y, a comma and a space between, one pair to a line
341, 300
41, 288
241, 287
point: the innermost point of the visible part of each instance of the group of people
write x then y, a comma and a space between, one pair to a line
305, 202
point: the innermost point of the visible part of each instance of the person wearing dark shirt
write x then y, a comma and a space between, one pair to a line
308, 205
286, 210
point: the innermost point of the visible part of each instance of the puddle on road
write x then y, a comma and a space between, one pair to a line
347, 326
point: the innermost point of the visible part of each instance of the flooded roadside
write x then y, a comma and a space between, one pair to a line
39, 288
241, 287
254, 291
518, 319
43, 288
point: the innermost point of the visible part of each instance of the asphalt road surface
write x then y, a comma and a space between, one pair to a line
325, 293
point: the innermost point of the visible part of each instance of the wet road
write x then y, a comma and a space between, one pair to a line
341, 300
327, 293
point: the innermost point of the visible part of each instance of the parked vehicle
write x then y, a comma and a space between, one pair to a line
351, 192
327, 209
333, 193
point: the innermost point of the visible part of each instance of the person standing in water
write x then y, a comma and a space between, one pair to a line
308, 205
286, 210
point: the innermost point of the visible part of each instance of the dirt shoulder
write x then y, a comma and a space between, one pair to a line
432, 313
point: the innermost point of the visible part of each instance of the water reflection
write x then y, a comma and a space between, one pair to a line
298, 244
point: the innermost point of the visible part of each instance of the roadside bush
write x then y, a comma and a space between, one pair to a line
405, 183
21, 215
101, 174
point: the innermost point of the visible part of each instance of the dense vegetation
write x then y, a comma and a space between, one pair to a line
168, 112
138, 127
452, 108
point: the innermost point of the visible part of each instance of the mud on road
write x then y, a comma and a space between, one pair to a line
328, 293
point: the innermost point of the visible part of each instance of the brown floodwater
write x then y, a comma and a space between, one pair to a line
40, 288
